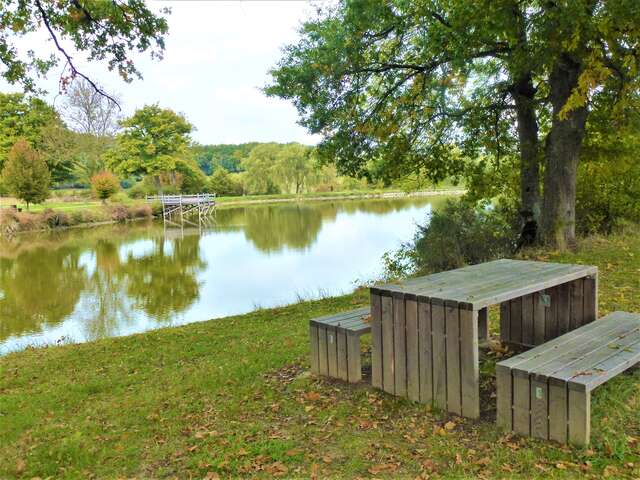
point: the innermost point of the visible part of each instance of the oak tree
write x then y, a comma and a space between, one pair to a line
432, 86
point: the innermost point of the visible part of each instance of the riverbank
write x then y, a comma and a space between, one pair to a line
233, 398
82, 214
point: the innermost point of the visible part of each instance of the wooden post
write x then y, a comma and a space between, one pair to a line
439, 354
313, 340
388, 376
399, 346
469, 362
425, 351
376, 341
354, 366
412, 343
454, 390
579, 416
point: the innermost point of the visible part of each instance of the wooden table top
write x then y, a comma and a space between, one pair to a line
479, 286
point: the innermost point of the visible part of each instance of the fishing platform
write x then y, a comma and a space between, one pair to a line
202, 204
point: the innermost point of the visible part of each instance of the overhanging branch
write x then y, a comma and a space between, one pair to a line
74, 71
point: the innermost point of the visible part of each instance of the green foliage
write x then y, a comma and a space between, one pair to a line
229, 156
462, 233
223, 184
260, 169
609, 177
106, 31
152, 142
26, 118
296, 167
105, 184
191, 178
26, 174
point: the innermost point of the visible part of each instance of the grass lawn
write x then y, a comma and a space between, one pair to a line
233, 398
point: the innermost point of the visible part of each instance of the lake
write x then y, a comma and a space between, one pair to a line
84, 284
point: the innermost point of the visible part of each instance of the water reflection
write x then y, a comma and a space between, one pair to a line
115, 280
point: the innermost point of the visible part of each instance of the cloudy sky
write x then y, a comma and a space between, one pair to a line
217, 58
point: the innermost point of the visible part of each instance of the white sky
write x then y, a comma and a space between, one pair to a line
217, 58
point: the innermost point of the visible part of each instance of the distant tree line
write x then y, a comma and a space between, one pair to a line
85, 143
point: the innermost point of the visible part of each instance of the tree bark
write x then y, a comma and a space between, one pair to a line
562, 154
523, 94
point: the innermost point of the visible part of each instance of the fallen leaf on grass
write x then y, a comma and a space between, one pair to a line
383, 468
21, 466
311, 396
211, 476
277, 469
449, 426
327, 459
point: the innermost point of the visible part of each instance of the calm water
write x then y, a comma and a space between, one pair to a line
85, 284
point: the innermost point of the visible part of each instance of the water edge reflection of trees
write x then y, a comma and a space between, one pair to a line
42, 286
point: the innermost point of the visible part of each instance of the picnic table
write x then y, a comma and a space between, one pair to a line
426, 330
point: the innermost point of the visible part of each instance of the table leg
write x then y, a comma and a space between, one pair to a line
469, 363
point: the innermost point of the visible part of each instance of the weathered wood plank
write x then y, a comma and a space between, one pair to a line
505, 322
563, 312
469, 363
539, 409
551, 320
538, 320
521, 405
354, 360
332, 352
376, 341
527, 320
623, 359
323, 362
341, 342
558, 412
454, 390
313, 349
483, 325
515, 316
342, 316
413, 361
579, 353
439, 354
590, 299
504, 390
388, 376
536, 356
491, 282
579, 417
425, 352
400, 347
577, 304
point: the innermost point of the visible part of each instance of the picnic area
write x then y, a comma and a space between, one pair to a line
235, 397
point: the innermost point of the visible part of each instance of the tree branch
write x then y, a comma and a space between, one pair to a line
74, 71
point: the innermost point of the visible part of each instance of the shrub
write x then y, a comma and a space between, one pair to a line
141, 211
222, 183
119, 213
104, 185
607, 195
460, 234
25, 174
141, 190
55, 219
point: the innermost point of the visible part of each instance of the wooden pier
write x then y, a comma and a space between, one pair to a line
180, 206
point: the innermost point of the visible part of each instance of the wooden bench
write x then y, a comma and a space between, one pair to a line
335, 344
546, 392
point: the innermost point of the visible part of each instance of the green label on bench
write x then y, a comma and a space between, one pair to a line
545, 300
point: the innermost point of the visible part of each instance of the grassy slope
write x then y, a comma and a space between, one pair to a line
232, 398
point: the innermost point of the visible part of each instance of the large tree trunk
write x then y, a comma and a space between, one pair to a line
562, 153
524, 94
